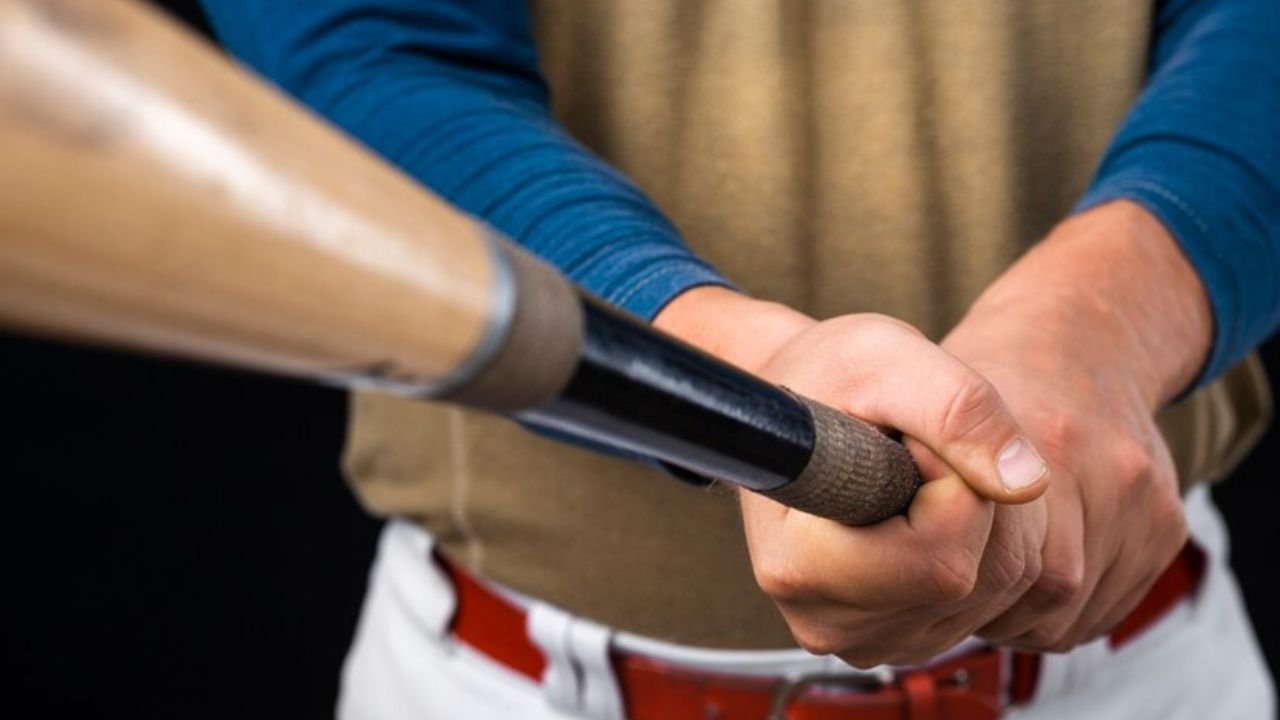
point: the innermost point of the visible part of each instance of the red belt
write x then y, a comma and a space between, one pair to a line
969, 687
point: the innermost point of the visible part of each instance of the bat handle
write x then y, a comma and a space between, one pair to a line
856, 475
621, 383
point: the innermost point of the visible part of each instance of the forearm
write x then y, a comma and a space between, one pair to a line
742, 330
1113, 288
449, 91
1200, 151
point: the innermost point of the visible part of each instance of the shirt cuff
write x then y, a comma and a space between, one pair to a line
643, 286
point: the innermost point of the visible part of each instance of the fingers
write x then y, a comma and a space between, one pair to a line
886, 373
931, 466
1116, 596
1011, 562
958, 415
1042, 616
1102, 552
871, 594
931, 555
1151, 483
906, 584
1127, 582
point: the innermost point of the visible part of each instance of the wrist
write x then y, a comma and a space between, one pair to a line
1118, 285
742, 330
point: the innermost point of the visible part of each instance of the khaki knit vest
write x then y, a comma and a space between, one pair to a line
836, 155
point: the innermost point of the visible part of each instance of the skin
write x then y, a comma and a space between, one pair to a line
1071, 350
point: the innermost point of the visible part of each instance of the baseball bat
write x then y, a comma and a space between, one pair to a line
155, 196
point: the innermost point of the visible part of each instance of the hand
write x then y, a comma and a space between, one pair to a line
741, 330
1085, 338
910, 587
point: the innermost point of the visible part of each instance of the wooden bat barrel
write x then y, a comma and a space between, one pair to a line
155, 196
189, 209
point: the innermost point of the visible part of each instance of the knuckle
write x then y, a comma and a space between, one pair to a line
1060, 583
1005, 566
1031, 570
780, 581
1133, 462
1033, 561
1014, 560
866, 333
1022, 576
954, 574
971, 406
1167, 513
1058, 433
1064, 642
1045, 638
817, 641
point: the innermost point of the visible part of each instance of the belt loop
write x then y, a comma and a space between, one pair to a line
548, 628
579, 678
601, 697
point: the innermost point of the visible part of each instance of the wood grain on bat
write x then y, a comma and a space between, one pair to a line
155, 195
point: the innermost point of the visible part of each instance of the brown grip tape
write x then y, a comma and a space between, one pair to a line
857, 475
542, 345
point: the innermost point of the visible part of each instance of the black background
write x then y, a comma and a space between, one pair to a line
179, 542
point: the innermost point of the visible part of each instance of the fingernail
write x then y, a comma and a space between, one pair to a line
1019, 465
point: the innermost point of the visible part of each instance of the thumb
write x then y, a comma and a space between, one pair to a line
976, 435
963, 423
932, 468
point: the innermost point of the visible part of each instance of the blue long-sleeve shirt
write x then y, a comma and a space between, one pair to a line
1200, 149
449, 90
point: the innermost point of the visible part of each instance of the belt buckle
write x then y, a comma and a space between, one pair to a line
793, 686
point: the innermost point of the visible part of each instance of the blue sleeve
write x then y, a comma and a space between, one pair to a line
449, 91
1201, 150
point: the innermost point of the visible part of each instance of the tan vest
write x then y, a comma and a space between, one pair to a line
836, 155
